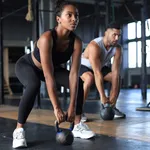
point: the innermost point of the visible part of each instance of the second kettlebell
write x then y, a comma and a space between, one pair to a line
107, 112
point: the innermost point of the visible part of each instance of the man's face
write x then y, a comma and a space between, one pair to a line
113, 36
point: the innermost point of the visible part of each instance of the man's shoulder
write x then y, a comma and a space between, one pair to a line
119, 48
98, 39
93, 45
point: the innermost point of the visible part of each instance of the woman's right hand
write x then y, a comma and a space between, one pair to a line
60, 115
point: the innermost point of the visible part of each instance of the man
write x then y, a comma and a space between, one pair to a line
95, 68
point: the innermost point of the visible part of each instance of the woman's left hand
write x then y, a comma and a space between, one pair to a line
71, 114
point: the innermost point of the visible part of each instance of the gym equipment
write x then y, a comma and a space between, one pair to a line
144, 108
64, 136
107, 112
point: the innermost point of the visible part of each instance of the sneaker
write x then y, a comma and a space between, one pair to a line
82, 131
83, 118
19, 138
119, 114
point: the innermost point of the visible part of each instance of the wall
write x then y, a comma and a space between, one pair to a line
134, 75
16, 29
17, 32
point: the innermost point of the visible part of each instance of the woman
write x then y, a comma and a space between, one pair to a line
53, 48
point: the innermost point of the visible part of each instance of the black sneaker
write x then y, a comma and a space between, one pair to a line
119, 114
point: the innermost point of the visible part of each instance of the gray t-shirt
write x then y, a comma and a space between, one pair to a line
106, 55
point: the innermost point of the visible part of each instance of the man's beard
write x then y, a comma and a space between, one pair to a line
113, 44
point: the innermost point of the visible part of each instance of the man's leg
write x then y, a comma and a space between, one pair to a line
88, 78
108, 78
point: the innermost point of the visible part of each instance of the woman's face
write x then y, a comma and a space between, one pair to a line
69, 18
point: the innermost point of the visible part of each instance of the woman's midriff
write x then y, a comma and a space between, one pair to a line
37, 64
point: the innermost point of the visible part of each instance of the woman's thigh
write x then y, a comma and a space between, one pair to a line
62, 76
26, 72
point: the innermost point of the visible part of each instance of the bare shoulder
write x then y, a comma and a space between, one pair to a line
119, 47
93, 48
46, 37
78, 40
78, 44
119, 50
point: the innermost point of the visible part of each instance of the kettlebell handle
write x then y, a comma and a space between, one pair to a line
106, 105
59, 130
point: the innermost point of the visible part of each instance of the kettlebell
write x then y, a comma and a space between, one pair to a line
107, 112
64, 136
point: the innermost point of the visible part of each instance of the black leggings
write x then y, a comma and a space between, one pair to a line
30, 76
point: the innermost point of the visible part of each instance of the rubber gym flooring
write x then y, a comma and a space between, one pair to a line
131, 133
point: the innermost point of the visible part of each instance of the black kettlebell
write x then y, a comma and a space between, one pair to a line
107, 112
64, 136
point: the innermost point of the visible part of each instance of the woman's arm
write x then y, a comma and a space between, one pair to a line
45, 44
74, 74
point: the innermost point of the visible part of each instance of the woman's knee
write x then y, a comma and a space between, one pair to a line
34, 85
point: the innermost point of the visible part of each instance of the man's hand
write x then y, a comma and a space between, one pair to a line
105, 100
71, 114
112, 102
60, 115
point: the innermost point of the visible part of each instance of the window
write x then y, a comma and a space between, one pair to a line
135, 46
131, 30
132, 54
139, 29
112, 59
147, 26
148, 53
139, 53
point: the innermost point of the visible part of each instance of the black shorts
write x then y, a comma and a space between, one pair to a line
105, 70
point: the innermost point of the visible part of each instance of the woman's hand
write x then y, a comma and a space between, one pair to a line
71, 114
60, 115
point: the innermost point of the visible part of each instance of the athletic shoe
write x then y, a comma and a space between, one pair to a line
82, 131
19, 138
119, 114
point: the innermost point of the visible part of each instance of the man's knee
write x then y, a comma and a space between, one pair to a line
80, 82
108, 77
88, 79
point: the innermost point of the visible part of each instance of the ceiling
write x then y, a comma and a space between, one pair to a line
124, 10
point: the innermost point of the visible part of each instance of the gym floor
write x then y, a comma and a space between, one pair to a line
131, 133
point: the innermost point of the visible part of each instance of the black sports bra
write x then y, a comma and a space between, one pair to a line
58, 57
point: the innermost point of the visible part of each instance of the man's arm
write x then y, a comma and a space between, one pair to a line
116, 75
94, 57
